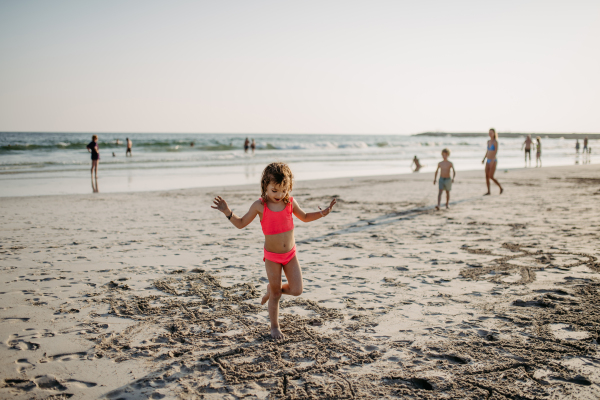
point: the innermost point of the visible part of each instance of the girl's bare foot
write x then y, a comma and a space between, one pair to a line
276, 333
501, 190
447, 208
487, 194
437, 208
266, 296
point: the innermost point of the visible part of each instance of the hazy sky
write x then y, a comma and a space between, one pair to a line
300, 67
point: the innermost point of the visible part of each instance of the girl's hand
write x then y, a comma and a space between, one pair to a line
221, 205
434, 181
328, 209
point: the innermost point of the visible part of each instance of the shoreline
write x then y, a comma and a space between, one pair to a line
245, 186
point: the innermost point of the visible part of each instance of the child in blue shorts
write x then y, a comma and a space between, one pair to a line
445, 181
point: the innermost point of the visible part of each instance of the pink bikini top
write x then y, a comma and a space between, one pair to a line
277, 222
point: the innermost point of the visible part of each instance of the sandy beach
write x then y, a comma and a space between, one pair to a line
156, 295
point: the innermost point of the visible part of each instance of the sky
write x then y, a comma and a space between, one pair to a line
397, 67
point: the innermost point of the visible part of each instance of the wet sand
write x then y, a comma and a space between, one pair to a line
155, 295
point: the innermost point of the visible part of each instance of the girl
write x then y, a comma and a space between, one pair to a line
275, 208
490, 154
538, 153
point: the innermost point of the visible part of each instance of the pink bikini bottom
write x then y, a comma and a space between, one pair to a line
281, 258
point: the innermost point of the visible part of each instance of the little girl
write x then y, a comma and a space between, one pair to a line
275, 208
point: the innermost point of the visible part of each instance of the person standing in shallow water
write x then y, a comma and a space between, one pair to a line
538, 153
246, 145
128, 151
527, 144
417, 164
492, 161
92, 147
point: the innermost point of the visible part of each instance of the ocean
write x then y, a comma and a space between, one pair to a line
34, 164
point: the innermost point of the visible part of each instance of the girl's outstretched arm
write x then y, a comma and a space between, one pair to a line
308, 217
221, 205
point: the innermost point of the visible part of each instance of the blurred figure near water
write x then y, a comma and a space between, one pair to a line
246, 145
92, 147
492, 161
445, 182
527, 145
253, 146
538, 152
417, 164
585, 144
577, 146
128, 151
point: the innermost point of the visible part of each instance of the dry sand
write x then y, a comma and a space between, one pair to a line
155, 295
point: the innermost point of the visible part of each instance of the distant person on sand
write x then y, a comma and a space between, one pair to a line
577, 146
527, 144
253, 146
128, 151
538, 151
492, 161
445, 181
246, 145
275, 208
417, 164
585, 144
92, 147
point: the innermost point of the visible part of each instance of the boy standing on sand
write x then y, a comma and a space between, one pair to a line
445, 180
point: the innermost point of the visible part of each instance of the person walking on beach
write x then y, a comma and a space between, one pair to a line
416, 163
538, 151
253, 146
445, 181
527, 145
246, 145
92, 147
128, 151
577, 146
275, 208
492, 161
585, 144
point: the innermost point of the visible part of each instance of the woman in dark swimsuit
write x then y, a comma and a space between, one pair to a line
92, 147
490, 166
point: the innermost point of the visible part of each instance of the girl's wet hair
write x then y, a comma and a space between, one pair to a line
280, 174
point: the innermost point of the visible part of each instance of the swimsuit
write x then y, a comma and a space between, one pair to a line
93, 146
275, 222
491, 147
445, 184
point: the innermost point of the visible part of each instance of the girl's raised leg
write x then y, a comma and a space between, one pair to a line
294, 287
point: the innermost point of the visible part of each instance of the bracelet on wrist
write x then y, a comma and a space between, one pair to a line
231, 215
